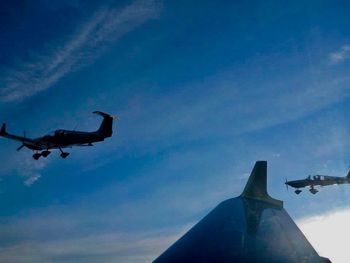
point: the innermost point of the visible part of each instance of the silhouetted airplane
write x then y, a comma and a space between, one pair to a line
59, 139
317, 180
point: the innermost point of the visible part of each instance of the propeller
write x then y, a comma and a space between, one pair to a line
286, 184
20, 147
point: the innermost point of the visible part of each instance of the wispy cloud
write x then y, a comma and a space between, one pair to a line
32, 179
151, 122
227, 110
112, 247
23, 165
103, 248
340, 55
30, 169
107, 25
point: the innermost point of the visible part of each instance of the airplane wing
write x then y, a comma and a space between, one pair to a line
328, 182
7, 135
25, 141
300, 183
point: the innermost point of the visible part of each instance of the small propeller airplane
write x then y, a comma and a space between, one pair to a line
317, 180
60, 139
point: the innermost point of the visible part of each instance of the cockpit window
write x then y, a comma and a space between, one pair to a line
60, 132
56, 133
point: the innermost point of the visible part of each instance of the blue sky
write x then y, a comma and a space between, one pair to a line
203, 90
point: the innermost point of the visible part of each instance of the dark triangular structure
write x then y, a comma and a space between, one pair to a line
253, 227
256, 187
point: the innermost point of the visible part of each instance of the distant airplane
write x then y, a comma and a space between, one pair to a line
317, 180
60, 139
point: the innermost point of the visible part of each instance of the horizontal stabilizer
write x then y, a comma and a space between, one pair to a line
256, 186
105, 115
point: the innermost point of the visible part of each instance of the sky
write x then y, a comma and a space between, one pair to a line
202, 91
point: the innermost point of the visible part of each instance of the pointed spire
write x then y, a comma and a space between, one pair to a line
256, 187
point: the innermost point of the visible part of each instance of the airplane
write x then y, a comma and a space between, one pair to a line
253, 227
60, 139
317, 180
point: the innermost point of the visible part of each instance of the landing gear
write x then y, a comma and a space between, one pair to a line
298, 191
45, 153
63, 154
36, 156
313, 190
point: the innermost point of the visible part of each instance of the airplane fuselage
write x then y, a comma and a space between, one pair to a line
329, 180
64, 139
317, 180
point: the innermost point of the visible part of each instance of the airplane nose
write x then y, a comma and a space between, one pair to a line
286, 183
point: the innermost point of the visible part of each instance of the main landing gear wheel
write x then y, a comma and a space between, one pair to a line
36, 156
64, 154
297, 191
45, 153
313, 191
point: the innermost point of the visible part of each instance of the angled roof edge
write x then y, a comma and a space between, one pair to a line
256, 187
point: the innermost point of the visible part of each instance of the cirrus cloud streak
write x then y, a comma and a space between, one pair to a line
106, 26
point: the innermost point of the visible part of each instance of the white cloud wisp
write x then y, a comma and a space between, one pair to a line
106, 26
340, 55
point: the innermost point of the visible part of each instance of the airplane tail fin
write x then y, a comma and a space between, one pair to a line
348, 175
106, 125
256, 187
3, 129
